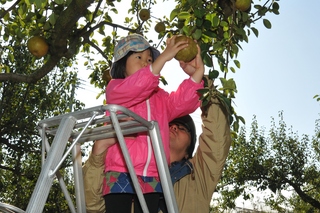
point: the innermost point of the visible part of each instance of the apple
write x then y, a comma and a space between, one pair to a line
160, 27
38, 46
188, 53
106, 76
144, 14
243, 5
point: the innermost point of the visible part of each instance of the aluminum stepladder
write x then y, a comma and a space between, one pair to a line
87, 125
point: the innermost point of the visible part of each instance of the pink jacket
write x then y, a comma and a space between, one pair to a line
147, 99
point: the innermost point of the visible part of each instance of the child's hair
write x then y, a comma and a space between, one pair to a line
124, 48
119, 67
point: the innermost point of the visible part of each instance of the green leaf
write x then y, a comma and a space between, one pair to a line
213, 74
173, 14
59, 1
255, 31
237, 63
52, 19
267, 23
235, 126
114, 10
11, 57
275, 8
224, 24
210, 33
202, 91
207, 60
228, 84
102, 30
47, 26
163, 80
241, 119
22, 11
197, 34
183, 15
199, 22
40, 3
199, 13
206, 24
215, 21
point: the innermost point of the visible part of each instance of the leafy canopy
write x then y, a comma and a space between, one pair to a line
86, 31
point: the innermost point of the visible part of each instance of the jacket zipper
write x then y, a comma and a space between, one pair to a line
145, 170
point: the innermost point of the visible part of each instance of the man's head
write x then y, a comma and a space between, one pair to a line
183, 135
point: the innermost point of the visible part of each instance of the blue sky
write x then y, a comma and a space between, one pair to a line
278, 71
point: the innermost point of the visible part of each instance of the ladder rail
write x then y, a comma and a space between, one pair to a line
59, 177
78, 115
163, 169
78, 178
53, 172
44, 182
129, 163
7, 208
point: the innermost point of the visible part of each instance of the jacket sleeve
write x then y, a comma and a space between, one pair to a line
93, 178
184, 100
132, 90
213, 149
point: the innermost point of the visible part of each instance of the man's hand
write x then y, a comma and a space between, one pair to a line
194, 68
103, 144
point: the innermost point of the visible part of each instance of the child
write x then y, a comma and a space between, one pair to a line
135, 79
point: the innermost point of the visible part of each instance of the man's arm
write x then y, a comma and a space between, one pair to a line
93, 174
93, 179
214, 145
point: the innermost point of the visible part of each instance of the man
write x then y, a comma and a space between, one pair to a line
195, 186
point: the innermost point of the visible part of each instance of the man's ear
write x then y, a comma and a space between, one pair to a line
186, 156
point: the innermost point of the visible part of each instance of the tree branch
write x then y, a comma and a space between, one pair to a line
59, 46
305, 197
10, 8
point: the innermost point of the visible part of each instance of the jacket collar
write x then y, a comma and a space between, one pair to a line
179, 169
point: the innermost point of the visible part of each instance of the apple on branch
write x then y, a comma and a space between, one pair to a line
144, 14
243, 5
188, 53
38, 46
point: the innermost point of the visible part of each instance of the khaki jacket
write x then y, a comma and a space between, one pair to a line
194, 191
93, 180
194, 194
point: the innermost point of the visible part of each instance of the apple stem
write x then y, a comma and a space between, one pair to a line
156, 18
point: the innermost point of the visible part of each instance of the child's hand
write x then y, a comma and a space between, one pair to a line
194, 68
173, 48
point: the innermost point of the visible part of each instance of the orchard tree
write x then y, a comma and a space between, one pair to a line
22, 106
280, 162
74, 26
42, 42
